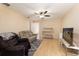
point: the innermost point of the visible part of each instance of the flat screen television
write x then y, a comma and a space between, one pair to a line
68, 35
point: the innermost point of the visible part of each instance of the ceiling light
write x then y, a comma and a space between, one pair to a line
41, 16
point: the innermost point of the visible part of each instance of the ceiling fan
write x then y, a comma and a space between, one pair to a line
42, 13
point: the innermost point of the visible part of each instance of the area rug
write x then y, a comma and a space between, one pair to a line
34, 45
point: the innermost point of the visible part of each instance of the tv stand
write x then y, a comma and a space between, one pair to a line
67, 45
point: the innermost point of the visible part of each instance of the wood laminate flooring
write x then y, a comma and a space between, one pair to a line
50, 47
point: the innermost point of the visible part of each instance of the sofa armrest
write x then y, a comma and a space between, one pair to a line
25, 41
22, 40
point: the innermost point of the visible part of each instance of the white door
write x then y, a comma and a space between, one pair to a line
35, 28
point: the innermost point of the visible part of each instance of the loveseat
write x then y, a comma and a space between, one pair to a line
28, 34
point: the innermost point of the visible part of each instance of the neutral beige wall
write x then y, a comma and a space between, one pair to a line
72, 20
53, 23
12, 21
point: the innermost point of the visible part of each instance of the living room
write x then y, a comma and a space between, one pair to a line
45, 26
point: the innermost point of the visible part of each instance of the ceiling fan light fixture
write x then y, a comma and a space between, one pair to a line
47, 15
41, 16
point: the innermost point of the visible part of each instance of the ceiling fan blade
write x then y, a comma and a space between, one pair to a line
36, 13
45, 12
47, 15
41, 13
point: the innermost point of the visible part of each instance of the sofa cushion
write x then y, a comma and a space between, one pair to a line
24, 34
6, 35
3, 43
1, 38
11, 40
30, 33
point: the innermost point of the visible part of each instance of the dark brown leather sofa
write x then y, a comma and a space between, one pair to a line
14, 46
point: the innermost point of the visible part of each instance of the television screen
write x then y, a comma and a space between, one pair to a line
68, 35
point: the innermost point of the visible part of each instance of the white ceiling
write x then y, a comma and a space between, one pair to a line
56, 10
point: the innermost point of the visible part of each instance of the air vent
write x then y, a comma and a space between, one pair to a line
6, 4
